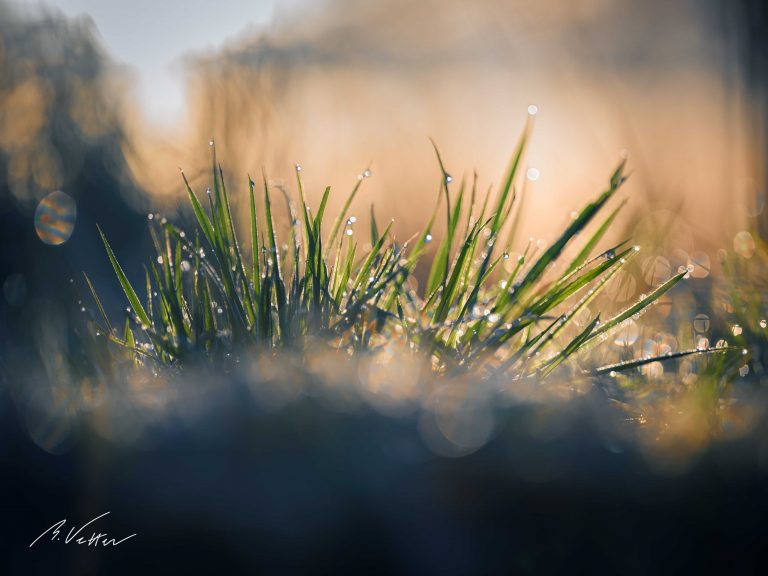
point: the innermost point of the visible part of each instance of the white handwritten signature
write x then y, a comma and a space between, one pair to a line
96, 538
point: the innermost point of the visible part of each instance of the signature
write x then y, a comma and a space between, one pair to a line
73, 536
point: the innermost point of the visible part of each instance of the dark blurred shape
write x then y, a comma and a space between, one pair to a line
311, 491
15, 289
61, 164
751, 38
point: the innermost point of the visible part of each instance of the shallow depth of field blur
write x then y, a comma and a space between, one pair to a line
92, 133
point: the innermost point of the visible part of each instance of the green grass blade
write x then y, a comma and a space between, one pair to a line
130, 293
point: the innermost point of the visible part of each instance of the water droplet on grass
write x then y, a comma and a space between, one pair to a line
763, 323
428, 238
736, 330
532, 174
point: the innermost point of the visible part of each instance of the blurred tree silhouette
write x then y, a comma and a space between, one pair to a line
60, 131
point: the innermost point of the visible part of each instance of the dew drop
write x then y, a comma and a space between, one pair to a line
298, 167
219, 310
349, 232
505, 255
533, 110
159, 259
185, 266
448, 178
736, 330
532, 174
210, 142
367, 174
763, 323
150, 216
428, 238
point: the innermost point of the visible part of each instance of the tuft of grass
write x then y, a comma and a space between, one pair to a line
480, 310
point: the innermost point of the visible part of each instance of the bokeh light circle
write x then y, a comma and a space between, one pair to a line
744, 244
55, 218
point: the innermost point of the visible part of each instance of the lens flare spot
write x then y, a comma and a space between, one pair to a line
627, 334
744, 244
55, 218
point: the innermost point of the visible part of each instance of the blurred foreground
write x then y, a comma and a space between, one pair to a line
238, 489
